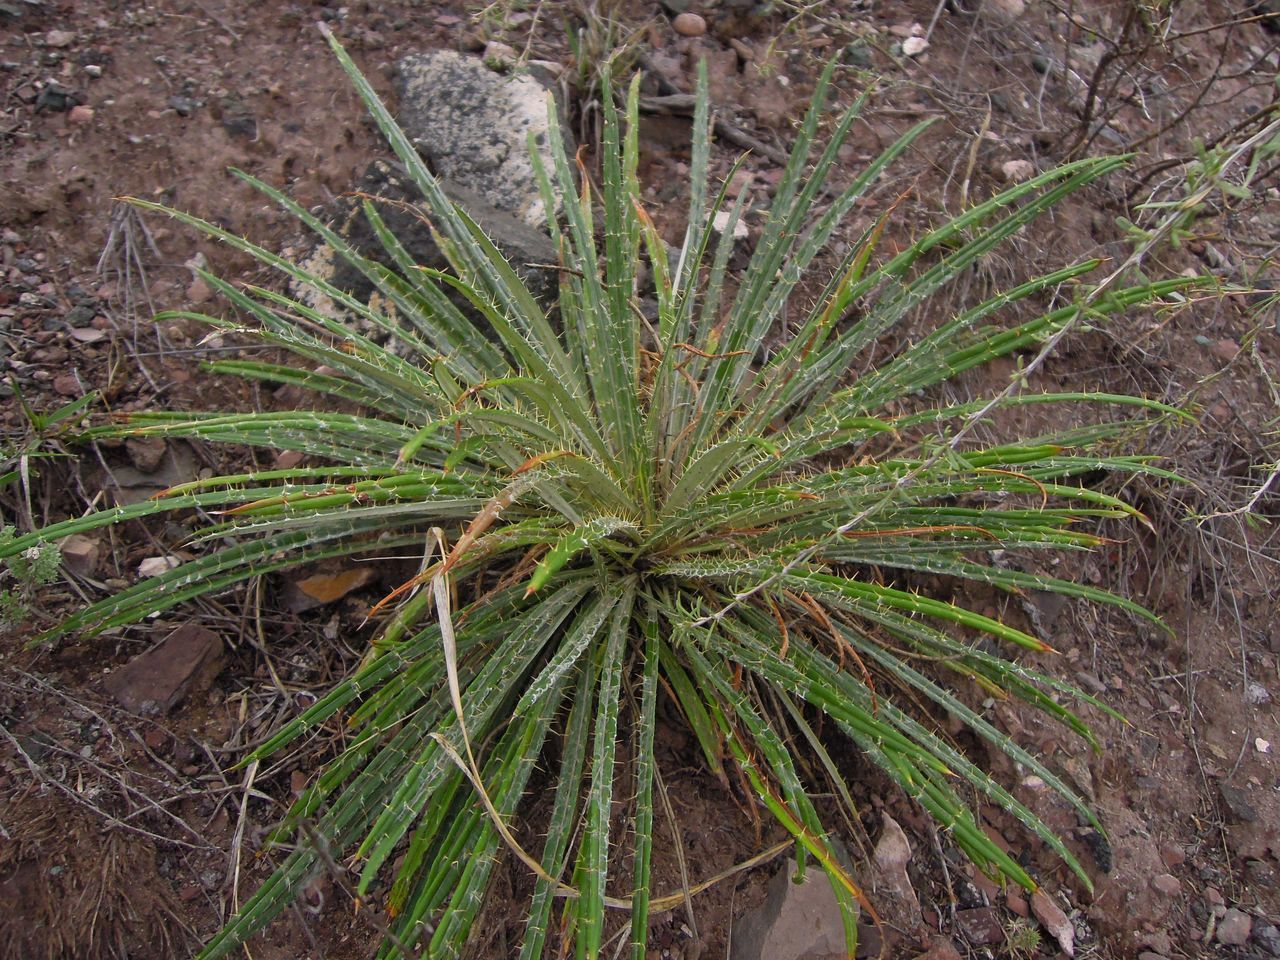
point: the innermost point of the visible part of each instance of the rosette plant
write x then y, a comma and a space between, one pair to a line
674, 485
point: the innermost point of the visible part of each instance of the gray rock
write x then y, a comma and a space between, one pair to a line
1002, 12
1238, 803
1269, 939
796, 921
81, 315
474, 126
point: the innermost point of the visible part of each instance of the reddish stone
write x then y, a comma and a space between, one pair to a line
981, 926
184, 662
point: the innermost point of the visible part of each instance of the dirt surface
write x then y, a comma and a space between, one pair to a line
131, 832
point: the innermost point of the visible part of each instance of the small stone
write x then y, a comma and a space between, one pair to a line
93, 70
183, 106
1235, 799
198, 291
80, 115
942, 949
1235, 927
858, 55
145, 453
1224, 350
1002, 11
183, 663
1214, 896
82, 314
80, 554
720, 222
1016, 903
1151, 955
981, 926
1259, 873
1053, 919
1015, 171
795, 920
1257, 694
67, 385
914, 46
498, 54
1269, 938
689, 25
741, 180
1172, 855
891, 856
1166, 885
59, 39
1160, 942
154, 566
156, 738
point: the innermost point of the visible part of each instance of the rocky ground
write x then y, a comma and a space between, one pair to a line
126, 829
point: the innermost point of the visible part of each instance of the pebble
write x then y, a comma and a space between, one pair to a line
1016, 903
981, 925
942, 949
59, 38
80, 115
1160, 943
1002, 11
1173, 855
154, 566
80, 554
1166, 884
1269, 937
1260, 873
1015, 171
198, 291
1053, 919
499, 54
914, 46
1238, 803
689, 25
1224, 350
93, 70
1235, 928
146, 453
1257, 694
67, 385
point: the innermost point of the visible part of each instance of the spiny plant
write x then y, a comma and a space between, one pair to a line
613, 504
